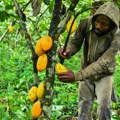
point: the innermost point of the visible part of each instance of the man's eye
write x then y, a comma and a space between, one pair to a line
104, 24
97, 21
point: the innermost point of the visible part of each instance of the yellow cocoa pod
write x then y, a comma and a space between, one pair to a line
42, 62
38, 48
36, 109
32, 94
11, 28
47, 43
40, 90
74, 26
60, 68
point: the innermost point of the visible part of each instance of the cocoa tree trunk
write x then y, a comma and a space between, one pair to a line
56, 28
49, 93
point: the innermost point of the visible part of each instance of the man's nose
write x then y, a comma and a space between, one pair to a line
98, 26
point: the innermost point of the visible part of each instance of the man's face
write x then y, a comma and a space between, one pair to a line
102, 25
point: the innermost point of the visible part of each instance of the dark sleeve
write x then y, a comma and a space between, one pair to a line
76, 42
104, 65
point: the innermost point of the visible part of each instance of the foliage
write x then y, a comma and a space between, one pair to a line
116, 107
16, 72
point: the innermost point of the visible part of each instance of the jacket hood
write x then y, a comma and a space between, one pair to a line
110, 10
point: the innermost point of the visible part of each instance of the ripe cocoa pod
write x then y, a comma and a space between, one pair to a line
47, 43
42, 62
74, 26
36, 109
38, 48
32, 94
11, 28
40, 90
60, 68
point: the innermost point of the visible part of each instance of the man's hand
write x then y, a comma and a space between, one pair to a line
67, 77
64, 54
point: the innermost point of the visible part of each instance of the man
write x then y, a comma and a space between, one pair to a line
101, 38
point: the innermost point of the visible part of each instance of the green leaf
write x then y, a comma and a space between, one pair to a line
51, 6
3, 16
9, 7
46, 2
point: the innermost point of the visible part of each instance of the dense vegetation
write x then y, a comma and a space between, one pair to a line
16, 69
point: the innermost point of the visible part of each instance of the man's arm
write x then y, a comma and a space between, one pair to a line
103, 66
76, 42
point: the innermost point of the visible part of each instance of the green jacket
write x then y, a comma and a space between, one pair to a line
99, 52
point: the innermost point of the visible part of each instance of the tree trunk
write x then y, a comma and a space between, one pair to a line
49, 92
56, 28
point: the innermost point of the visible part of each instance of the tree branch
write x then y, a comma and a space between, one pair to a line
27, 36
13, 22
60, 28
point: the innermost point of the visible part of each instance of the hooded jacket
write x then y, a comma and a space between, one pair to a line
99, 52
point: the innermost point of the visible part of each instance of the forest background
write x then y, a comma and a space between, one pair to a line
17, 60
